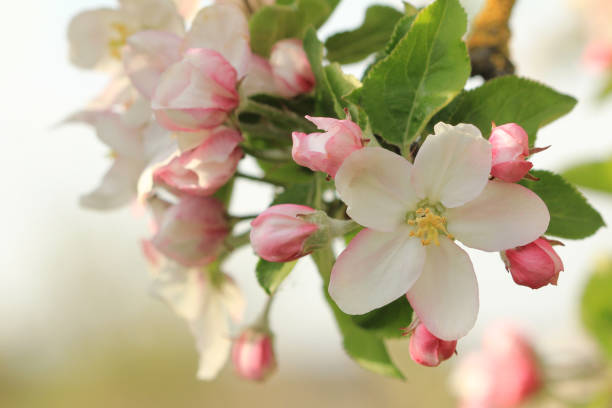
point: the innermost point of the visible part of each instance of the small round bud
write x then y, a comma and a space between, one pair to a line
253, 355
509, 148
428, 350
534, 265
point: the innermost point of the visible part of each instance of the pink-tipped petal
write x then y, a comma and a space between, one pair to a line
196, 93
504, 216
375, 269
326, 151
445, 298
291, 68
375, 185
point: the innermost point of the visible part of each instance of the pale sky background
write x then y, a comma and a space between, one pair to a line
68, 272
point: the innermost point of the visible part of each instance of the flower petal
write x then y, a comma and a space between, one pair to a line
208, 310
224, 28
375, 269
375, 184
503, 216
445, 298
118, 187
452, 165
147, 56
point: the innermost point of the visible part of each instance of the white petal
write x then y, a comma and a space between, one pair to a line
147, 56
208, 310
90, 34
112, 131
452, 166
212, 329
445, 298
118, 187
504, 216
154, 15
224, 28
375, 184
375, 269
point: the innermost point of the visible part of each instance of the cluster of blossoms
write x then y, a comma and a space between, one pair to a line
167, 116
171, 116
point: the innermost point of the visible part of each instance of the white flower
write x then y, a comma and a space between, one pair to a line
210, 306
413, 213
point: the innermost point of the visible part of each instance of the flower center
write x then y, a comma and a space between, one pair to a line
428, 226
119, 41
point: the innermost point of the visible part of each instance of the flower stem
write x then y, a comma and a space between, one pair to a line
262, 179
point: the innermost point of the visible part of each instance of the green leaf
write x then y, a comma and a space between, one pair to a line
597, 305
607, 88
426, 70
507, 99
399, 31
285, 172
353, 46
571, 216
387, 321
271, 274
331, 83
273, 23
594, 175
365, 348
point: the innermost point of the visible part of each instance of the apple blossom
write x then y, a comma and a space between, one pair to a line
413, 213
259, 79
97, 37
196, 93
504, 374
133, 145
428, 350
326, 151
510, 147
534, 265
291, 68
208, 300
204, 169
279, 235
253, 355
192, 232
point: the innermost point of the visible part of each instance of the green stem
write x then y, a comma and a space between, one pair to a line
276, 155
234, 242
242, 217
262, 179
282, 117
324, 259
317, 200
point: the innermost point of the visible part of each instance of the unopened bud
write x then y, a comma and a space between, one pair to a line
253, 355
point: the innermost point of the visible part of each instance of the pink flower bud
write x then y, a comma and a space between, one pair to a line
253, 355
326, 151
534, 265
192, 232
196, 92
204, 169
278, 235
291, 68
428, 350
510, 146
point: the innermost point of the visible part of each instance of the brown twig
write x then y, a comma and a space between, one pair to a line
488, 41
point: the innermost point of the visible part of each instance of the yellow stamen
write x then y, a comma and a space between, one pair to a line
428, 226
117, 43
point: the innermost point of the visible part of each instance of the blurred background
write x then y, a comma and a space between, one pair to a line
79, 327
